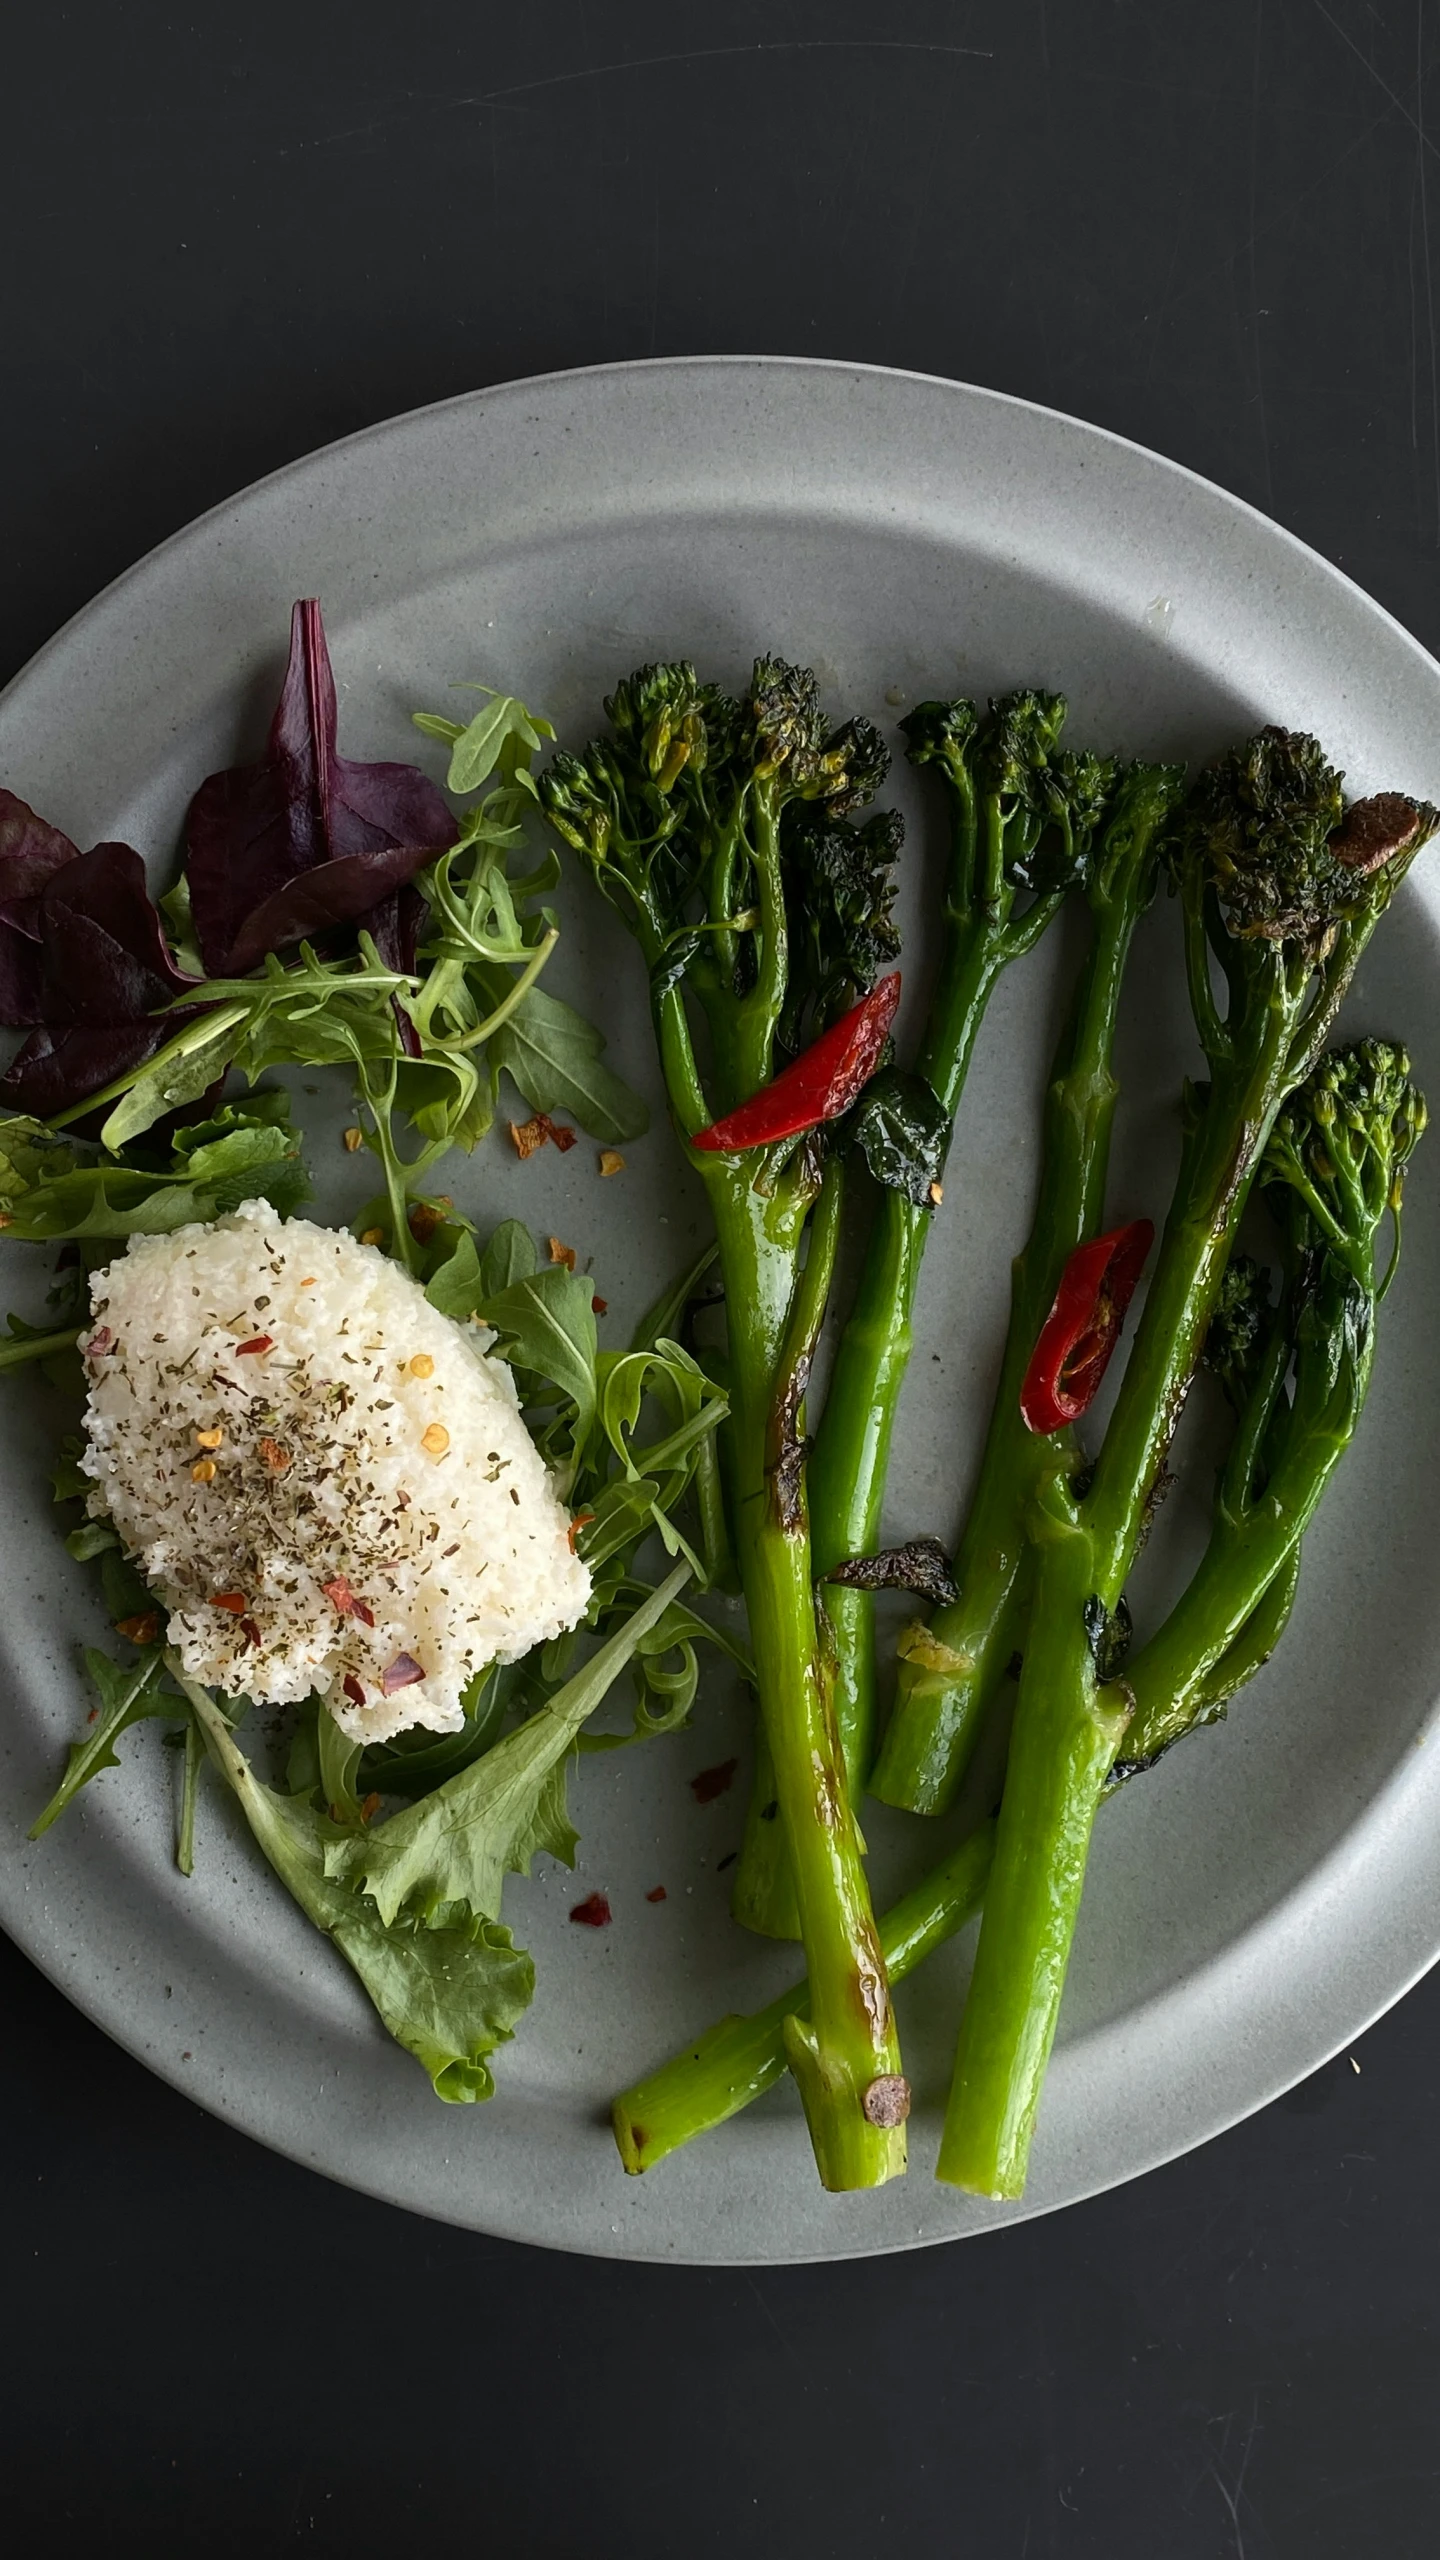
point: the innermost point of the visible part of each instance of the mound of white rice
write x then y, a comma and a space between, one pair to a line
328, 1484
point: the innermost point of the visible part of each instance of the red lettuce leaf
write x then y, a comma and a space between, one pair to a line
29, 852
286, 849
83, 959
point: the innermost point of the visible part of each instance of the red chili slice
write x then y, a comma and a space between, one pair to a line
1083, 1326
818, 1085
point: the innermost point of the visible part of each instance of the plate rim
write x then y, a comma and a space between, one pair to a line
86, 1987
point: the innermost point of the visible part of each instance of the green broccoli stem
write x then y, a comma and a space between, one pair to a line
851, 1454
1257, 1532
774, 1308
1067, 1728
738, 2060
1173, 1696
950, 1669
848, 2044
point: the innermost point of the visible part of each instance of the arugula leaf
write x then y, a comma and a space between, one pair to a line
129, 1692
454, 1848
509, 1256
479, 748
53, 1187
448, 1995
455, 1289
554, 1056
546, 1327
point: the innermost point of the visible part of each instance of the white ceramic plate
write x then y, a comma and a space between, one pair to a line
1270, 1888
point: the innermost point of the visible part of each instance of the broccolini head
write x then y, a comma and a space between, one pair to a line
1237, 1327
1077, 791
1013, 748
1048, 805
659, 717
839, 897
940, 732
581, 798
1337, 1155
784, 736
1267, 826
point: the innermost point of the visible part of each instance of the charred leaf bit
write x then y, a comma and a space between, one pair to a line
902, 1130
1109, 1632
922, 1566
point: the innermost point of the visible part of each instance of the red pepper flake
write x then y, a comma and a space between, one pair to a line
92, 1715
593, 1913
818, 1085
402, 1673
342, 1598
370, 1807
257, 1342
577, 1524
275, 1459
353, 1690
599, 1306
1083, 1326
101, 1341
235, 1601
426, 1216
563, 1253
656, 1893
250, 1632
141, 1630
526, 1136
714, 1782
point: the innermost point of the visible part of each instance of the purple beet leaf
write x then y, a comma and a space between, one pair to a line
84, 964
284, 850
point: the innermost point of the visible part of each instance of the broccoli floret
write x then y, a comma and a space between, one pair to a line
1338, 1152
1034, 811
1013, 748
1268, 825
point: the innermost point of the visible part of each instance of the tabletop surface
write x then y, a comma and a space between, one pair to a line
1213, 227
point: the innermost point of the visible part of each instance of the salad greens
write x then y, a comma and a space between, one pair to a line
408, 1897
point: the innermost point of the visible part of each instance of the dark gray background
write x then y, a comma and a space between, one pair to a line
231, 236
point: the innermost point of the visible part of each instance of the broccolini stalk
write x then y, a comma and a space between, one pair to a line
718, 829
1334, 1167
1285, 888
950, 1670
1228, 1622
1023, 817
